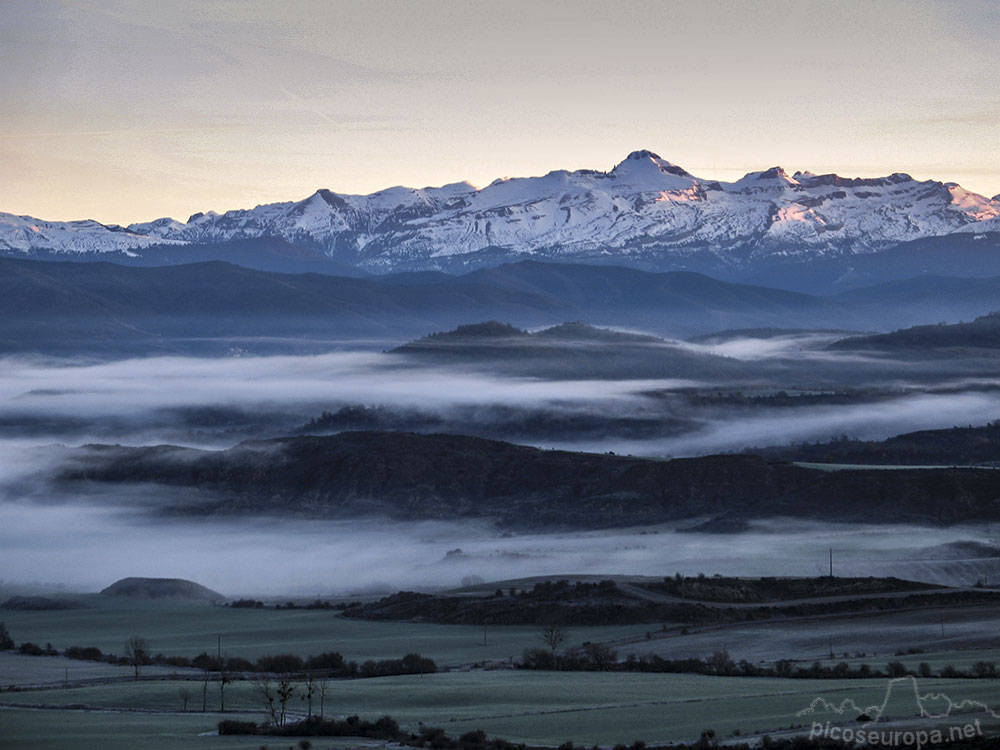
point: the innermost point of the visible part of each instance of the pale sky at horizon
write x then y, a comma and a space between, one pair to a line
124, 111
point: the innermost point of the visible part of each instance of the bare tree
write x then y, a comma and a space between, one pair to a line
553, 636
137, 651
262, 684
224, 679
322, 685
310, 688
185, 695
602, 656
204, 690
285, 692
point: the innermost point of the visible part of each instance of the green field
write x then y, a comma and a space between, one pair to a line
537, 707
26, 671
545, 708
78, 730
181, 629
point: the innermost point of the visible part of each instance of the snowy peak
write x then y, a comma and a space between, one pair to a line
646, 171
769, 179
776, 173
25, 234
648, 160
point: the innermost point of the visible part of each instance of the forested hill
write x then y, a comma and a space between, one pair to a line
411, 476
957, 446
981, 333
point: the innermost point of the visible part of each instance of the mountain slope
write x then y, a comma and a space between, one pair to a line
106, 308
103, 307
983, 334
645, 211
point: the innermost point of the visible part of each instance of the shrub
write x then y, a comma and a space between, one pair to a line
984, 669
247, 604
473, 739
331, 660
205, 661
230, 726
86, 653
896, 669
538, 658
280, 663
949, 671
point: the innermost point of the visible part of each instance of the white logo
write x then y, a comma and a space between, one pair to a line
931, 705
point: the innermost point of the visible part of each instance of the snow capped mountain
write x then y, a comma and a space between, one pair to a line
24, 234
645, 209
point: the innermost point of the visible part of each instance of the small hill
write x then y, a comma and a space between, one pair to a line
568, 350
983, 333
161, 588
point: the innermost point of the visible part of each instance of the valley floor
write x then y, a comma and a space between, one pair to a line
103, 708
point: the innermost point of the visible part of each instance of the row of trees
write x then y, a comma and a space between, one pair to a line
599, 657
138, 652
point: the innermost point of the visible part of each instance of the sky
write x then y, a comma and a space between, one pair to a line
127, 110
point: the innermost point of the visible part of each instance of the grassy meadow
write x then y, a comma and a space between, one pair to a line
533, 707
186, 629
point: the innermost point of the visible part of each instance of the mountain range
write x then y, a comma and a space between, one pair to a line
645, 212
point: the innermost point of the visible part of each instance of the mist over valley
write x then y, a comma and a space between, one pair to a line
570, 387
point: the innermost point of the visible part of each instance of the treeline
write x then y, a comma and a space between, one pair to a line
329, 664
384, 728
604, 603
258, 604
726, 589
597, 657
559, 602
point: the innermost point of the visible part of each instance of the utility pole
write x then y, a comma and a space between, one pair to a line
831, 562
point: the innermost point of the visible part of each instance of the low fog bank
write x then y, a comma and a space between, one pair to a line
751, 347
734, 432
215, 403
87, 547
89, 541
